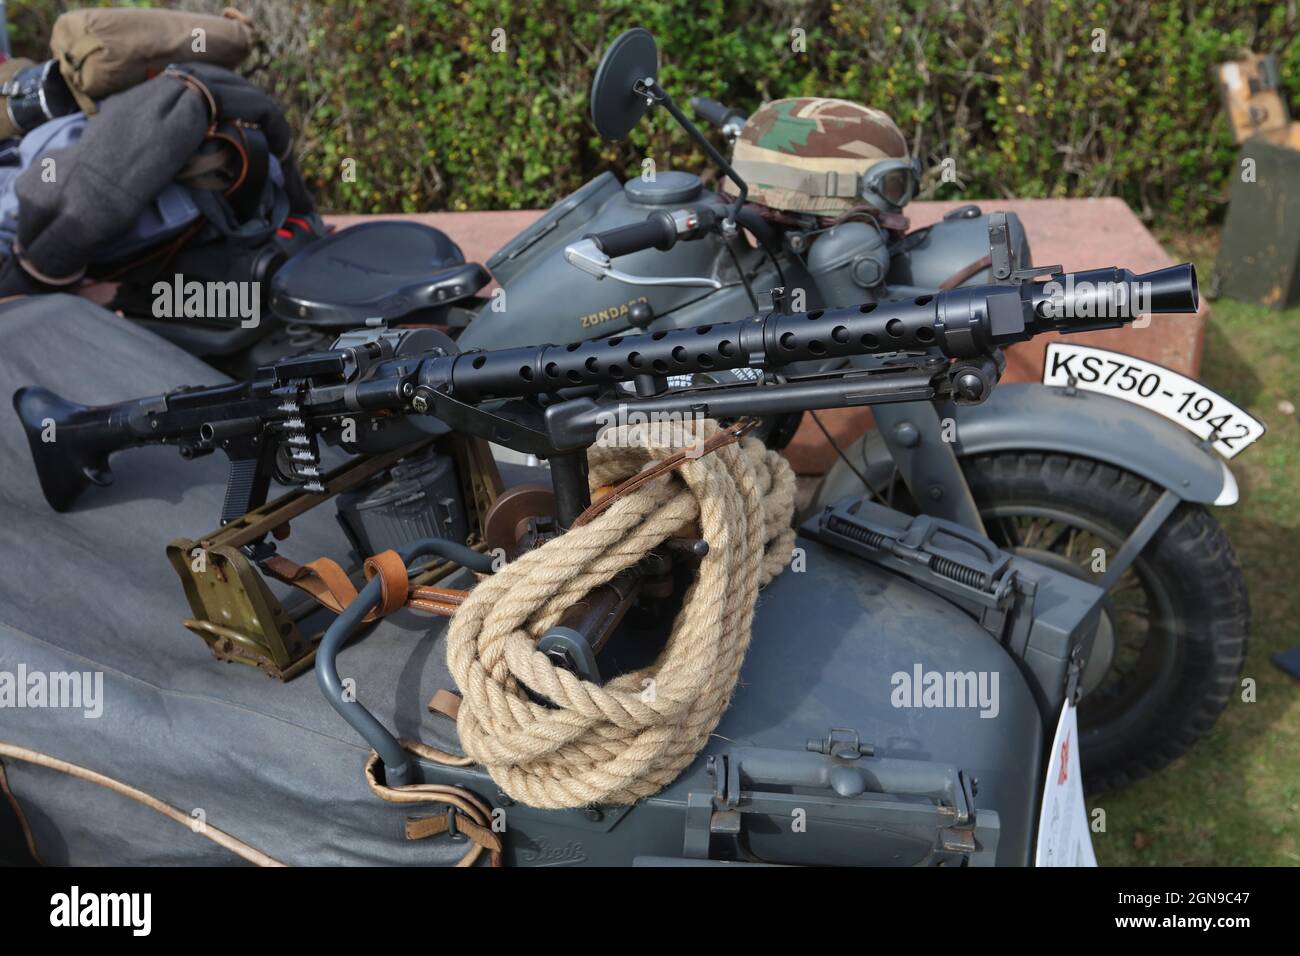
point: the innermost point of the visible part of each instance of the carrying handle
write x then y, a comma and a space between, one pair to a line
398, 766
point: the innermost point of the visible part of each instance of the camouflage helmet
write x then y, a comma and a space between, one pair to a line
824, 156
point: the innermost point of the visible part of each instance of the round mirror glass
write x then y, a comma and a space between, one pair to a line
615, 107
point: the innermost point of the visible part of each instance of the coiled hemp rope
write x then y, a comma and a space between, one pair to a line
616, 743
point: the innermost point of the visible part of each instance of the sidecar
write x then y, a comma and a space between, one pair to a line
831, 752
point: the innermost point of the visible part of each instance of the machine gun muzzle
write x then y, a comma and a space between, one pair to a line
1104, 294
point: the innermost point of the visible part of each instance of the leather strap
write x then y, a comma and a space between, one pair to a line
471, 814
323, 579
394, 582
330, 585
417, 828
961, 275
199, 87
40, 276
890, 221
446, 703
719, 439
440, 601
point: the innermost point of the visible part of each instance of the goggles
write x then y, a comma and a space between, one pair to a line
894, 180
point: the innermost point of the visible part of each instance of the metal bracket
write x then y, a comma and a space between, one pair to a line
914, 433
846, 746
1138, 538
1002, 258
513, 424
1021, 276
235, 612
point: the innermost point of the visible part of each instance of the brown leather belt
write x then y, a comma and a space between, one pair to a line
330, 585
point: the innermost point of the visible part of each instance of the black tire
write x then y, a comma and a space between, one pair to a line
1187, 655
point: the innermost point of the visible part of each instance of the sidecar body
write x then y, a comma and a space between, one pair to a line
830, 753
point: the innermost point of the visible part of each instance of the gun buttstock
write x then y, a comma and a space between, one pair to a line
68, 454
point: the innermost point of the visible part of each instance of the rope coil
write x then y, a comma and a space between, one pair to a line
616, 743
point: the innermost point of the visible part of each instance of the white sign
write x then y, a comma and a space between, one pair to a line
1185, 401
1063, 836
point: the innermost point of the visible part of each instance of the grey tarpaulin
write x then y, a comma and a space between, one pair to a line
91, 590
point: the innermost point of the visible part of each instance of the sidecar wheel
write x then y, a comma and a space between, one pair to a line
1174, 630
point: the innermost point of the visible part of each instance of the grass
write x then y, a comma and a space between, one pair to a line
1234, 800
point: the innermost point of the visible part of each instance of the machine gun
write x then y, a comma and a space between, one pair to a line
381, 392
379, 389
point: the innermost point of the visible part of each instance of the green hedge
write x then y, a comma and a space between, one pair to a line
1011, 91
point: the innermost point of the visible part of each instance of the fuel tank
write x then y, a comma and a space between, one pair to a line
548, 300
923, 261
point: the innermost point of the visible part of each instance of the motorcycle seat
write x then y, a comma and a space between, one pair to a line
392, 270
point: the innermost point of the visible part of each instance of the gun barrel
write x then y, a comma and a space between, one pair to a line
962, 323
1087, 300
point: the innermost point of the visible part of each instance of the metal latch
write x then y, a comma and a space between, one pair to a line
840, 747
837, 778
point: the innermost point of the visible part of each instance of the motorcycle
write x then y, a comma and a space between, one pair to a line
1057, 473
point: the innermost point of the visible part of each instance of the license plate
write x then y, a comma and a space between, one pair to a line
1202, 411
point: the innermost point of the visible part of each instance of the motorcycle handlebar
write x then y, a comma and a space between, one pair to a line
659, 230
651, 233
714, 112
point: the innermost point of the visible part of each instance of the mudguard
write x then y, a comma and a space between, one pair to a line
1031, 417
1025, 416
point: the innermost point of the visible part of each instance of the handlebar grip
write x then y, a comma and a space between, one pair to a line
713, 111
656, 232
